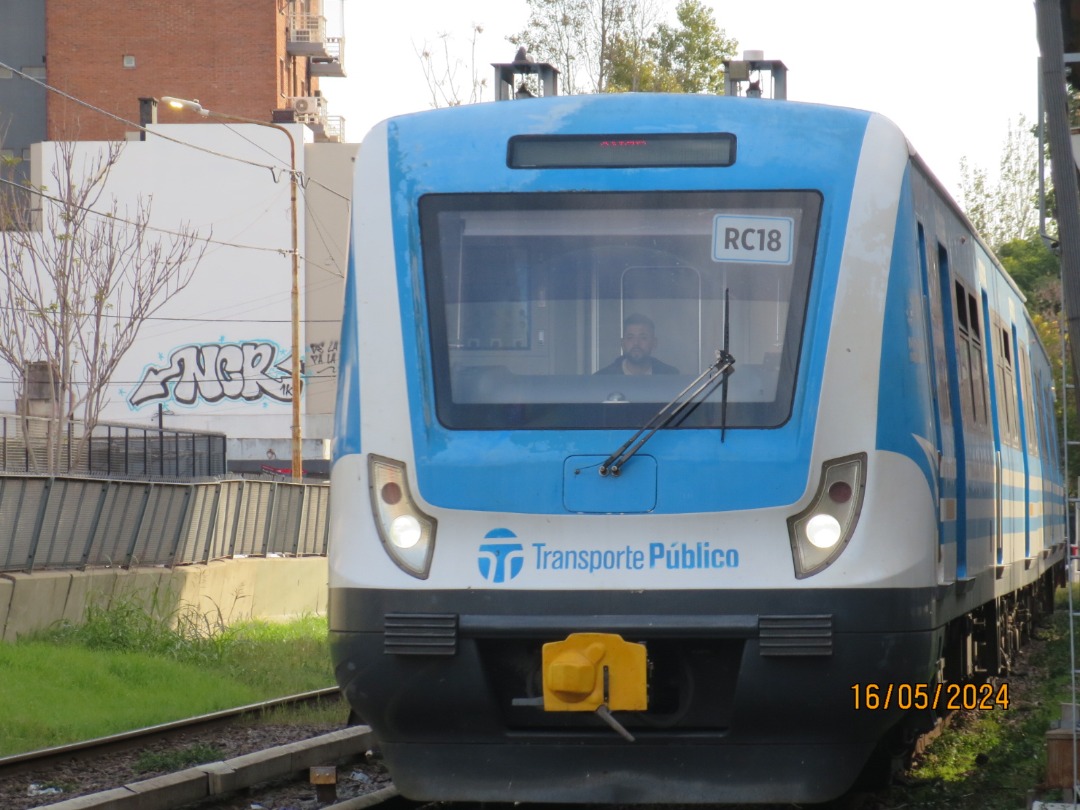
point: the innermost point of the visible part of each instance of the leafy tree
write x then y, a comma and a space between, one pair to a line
1037, 272
1007, 209
689, 57
632, 64
574, 35
621, 45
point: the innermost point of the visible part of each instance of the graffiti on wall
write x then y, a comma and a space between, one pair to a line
322, 358
213, 372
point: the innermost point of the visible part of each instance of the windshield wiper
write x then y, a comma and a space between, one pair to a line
706, 381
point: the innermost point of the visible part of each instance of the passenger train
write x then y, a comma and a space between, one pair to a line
688, 449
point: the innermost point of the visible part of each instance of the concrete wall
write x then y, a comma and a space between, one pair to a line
220, 592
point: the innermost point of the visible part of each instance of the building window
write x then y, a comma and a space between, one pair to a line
129, 60
5, 73
35, 72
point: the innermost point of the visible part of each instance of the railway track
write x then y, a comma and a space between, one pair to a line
89, 749
250, 757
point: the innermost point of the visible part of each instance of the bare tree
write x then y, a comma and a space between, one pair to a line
442, 72
78, 277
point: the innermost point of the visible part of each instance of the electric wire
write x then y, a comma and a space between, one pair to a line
283, 251
141, 128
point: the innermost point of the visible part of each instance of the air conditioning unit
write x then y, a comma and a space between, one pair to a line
305, 104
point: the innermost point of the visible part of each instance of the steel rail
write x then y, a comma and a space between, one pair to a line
16, 763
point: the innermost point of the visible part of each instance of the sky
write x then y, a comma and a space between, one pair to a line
952, 74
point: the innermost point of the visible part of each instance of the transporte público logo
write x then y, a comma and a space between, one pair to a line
502, 561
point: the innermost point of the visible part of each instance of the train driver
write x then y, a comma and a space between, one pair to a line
638, 342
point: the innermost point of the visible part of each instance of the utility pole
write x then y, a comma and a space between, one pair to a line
1052, 81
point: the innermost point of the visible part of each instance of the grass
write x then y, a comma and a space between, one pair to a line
991, 760
124, 668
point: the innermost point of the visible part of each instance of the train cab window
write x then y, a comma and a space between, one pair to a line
529, 296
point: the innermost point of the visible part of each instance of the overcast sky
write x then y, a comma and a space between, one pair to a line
951, 73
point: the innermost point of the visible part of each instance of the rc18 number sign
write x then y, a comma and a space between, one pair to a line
753, 239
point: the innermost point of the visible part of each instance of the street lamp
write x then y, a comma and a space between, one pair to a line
195, 106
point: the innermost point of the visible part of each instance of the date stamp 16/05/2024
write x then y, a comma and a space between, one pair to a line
944, 697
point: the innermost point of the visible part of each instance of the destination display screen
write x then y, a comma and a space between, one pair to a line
620, 151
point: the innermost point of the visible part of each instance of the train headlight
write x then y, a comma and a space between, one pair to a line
407, 534
823, 531
405, 531
820, 532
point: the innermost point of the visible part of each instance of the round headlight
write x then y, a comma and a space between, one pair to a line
405, 531
823, 531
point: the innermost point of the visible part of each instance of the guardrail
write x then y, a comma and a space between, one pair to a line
69, 522
112, 450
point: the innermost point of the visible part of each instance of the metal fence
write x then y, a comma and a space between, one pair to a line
67, 522
111, 450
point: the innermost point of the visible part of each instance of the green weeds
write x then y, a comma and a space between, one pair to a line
126, 668
198, 754
992, 759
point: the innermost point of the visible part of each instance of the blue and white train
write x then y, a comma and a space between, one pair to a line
814, 497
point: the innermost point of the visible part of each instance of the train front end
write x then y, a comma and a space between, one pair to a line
609, 521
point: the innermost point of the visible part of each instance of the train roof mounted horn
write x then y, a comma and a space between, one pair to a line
510, 80
747, 71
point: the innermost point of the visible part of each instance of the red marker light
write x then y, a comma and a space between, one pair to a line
840, 492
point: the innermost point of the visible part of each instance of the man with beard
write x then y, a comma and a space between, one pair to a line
638, 342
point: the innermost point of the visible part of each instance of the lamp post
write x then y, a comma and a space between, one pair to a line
195, 106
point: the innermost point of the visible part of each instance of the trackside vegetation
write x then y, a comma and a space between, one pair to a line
125, 668
992, 760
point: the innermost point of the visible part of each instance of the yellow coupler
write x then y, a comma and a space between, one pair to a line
588, 670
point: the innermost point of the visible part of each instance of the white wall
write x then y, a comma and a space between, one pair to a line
236, 310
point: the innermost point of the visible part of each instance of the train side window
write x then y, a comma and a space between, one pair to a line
936, 323
973, 306
979, 380
969, 349
1005, 382
961, 308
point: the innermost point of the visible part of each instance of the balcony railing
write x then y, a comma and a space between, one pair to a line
334, 63
307, 35
335, 128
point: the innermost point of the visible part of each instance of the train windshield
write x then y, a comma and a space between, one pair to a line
586, 310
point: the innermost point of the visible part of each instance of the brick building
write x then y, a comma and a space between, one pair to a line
258, 59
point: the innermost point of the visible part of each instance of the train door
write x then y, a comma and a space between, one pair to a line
1029, 445
958, 386
1003, 412
945, 441
1012, 497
